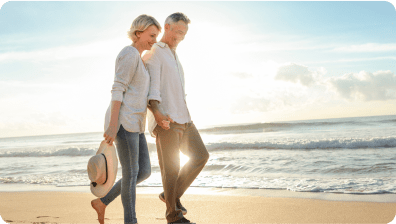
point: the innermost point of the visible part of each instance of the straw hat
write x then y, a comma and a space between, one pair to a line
102, 169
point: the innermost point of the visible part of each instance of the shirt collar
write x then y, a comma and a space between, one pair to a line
162, 44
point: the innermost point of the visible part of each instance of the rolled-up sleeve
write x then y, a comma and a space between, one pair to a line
125, 69
154, 68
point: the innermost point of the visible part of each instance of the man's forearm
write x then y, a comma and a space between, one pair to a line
154, 106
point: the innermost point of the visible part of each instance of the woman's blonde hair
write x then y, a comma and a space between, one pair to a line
141, 23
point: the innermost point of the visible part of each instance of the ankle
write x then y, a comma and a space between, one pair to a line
100, 202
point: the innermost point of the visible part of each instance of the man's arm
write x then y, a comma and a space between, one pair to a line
154, 97
161, 118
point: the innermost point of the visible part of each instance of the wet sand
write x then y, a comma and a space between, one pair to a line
75, 207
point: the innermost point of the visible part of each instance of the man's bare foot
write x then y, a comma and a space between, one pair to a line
98, 205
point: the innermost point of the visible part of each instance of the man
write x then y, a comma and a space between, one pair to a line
169, 120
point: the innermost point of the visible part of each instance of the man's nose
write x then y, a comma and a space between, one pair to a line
180, 37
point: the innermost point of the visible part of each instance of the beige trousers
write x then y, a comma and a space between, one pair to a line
184, 138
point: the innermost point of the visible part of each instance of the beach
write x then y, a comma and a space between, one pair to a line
203, 207
289, 109
312, 171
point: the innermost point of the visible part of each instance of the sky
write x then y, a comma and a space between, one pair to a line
244, 62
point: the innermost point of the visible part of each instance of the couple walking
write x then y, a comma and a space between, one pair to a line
154, 81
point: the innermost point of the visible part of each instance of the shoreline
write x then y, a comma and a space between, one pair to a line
266, 193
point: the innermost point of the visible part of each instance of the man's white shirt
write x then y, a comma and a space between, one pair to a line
166, 84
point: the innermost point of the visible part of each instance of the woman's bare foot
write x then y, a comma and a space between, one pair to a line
98, 205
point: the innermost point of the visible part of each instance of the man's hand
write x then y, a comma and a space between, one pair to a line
162, 119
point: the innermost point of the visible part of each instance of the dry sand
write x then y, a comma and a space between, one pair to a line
75, 207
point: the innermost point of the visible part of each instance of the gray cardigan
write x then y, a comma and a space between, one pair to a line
131, 87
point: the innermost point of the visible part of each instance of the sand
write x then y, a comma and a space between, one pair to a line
74, 207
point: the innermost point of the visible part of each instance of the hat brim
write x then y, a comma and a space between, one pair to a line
100, 190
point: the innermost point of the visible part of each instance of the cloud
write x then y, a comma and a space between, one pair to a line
276, 98
242, 75
88, 50
353, 60
380, 85
249, 104
369, 47
20, 90
297, 74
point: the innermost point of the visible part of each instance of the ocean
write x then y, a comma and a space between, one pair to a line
345, 155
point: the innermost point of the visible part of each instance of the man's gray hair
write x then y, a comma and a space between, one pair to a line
176, 17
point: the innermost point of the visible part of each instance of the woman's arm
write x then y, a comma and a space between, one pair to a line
125, 70
111, 131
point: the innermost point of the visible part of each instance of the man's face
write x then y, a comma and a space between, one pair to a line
177, 32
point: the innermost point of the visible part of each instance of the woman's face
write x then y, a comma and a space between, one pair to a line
148, 37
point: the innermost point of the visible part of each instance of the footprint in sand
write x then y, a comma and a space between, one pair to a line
47, 217
9, 221
45, 223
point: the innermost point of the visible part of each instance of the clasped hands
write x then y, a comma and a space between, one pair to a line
162, 119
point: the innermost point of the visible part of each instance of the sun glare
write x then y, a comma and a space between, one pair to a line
183, 159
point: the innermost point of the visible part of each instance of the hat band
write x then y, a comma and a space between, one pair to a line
94, 183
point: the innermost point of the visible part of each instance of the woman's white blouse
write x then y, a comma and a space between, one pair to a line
131, 87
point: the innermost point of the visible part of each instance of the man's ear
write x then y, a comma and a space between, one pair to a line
167, 26
138, 33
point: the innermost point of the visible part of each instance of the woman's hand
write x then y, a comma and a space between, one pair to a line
110, 134
111, 131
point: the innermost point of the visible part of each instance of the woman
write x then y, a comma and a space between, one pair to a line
126, 117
